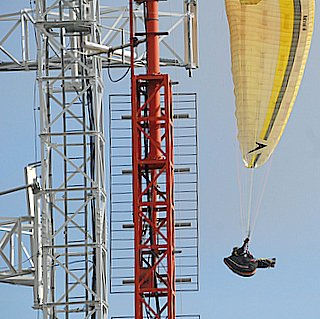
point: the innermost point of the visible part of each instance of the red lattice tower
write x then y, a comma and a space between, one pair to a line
153, 178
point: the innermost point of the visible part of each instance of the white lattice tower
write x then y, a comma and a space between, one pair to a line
72, 160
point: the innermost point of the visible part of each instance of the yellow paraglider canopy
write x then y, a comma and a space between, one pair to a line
270, 41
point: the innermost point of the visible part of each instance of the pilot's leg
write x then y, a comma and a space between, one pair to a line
266, 263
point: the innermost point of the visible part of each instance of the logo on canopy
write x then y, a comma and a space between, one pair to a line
259, 147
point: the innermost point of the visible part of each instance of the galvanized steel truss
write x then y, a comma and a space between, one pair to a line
72, 159
114, 29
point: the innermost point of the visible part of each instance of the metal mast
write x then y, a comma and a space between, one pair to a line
72, 161
152, 162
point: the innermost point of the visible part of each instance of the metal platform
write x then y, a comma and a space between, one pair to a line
186, 194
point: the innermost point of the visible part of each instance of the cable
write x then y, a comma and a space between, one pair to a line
119, 79
33, 15
31, 6
34, 95
240, 185
265, 182
35, 122
16, 265
146, 31
250, 204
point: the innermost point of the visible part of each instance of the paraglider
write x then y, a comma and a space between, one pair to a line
270, 42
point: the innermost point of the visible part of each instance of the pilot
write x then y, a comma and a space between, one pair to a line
244, 264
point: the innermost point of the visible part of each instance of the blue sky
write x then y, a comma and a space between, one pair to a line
288, 224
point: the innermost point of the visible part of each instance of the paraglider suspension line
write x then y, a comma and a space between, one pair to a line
250, 204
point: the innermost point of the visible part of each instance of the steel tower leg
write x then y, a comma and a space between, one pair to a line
152, 158
72, 158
